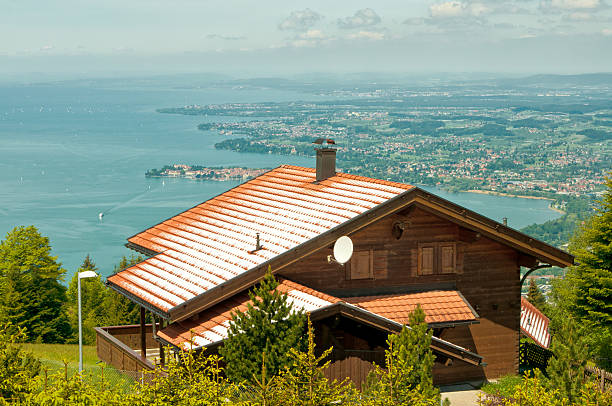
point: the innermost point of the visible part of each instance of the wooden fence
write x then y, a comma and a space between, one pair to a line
115, 347
603, 377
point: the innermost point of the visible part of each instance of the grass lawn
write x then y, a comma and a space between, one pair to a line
53, 356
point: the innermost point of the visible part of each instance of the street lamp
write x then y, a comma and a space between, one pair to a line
82, 275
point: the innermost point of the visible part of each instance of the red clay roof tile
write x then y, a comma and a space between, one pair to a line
439, 306
212, 324
212, 242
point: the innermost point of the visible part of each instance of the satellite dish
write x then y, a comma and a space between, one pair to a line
343, 249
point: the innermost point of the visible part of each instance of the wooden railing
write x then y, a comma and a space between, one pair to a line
116, 346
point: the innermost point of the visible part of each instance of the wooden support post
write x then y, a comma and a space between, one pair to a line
143, 334
162, 356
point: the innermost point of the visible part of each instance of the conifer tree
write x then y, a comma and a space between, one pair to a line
570, 355
269, 325
408, 376
589, 284
304, 382
592, 277
535, 296
31, 293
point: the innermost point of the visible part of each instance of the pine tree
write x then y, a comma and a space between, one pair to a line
304, 382
408, 376
570, 355
269, 325
592, 277
588, 285
535, 296
31, 293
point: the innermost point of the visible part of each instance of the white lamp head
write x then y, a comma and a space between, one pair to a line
87, 274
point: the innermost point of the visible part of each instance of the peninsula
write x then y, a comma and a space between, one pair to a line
205, 173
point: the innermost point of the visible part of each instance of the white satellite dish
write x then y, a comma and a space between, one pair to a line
343, 250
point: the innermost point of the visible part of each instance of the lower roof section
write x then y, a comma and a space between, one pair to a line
210, 327
534, 324
440, 306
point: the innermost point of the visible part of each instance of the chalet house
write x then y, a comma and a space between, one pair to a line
410, 247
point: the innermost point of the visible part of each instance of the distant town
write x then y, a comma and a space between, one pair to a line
559, 145
204, 173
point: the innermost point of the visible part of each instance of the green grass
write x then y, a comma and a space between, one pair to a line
504, 385
53, 357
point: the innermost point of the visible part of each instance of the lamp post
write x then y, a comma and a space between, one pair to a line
82, 275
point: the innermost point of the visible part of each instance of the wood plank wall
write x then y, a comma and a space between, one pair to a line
487, 275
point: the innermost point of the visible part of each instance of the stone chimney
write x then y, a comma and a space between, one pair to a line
326, 163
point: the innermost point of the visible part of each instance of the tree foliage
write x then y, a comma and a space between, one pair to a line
592, 277
534, 391
535, 296
17, 367
570, 355
270, 325
100, 306
303, 383
407, 377
31, 293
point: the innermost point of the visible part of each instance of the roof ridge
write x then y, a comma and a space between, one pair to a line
401, 185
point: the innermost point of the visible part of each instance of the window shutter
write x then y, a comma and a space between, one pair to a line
426, 260
448, 258
362, 265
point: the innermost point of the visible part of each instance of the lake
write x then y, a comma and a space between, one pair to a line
69, 151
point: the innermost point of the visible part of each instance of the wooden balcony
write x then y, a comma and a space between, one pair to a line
120, 346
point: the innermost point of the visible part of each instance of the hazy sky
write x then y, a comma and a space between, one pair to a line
300, 36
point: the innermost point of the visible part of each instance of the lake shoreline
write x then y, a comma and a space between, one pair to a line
493, 193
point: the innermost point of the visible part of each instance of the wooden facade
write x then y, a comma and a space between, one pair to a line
486, 273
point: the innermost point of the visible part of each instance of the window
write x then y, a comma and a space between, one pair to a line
361, 265
426, 260
437, 258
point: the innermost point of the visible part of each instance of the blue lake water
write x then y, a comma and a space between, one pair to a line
69, 152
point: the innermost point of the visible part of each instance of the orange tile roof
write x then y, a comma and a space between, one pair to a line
212, 324
212, 243
534, 323
440, 306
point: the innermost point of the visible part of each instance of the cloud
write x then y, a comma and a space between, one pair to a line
459, 9
313, 34
362, 18
310, 38
570, 5
300, 20
449, 9
225, 37
575, 4
369, 35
